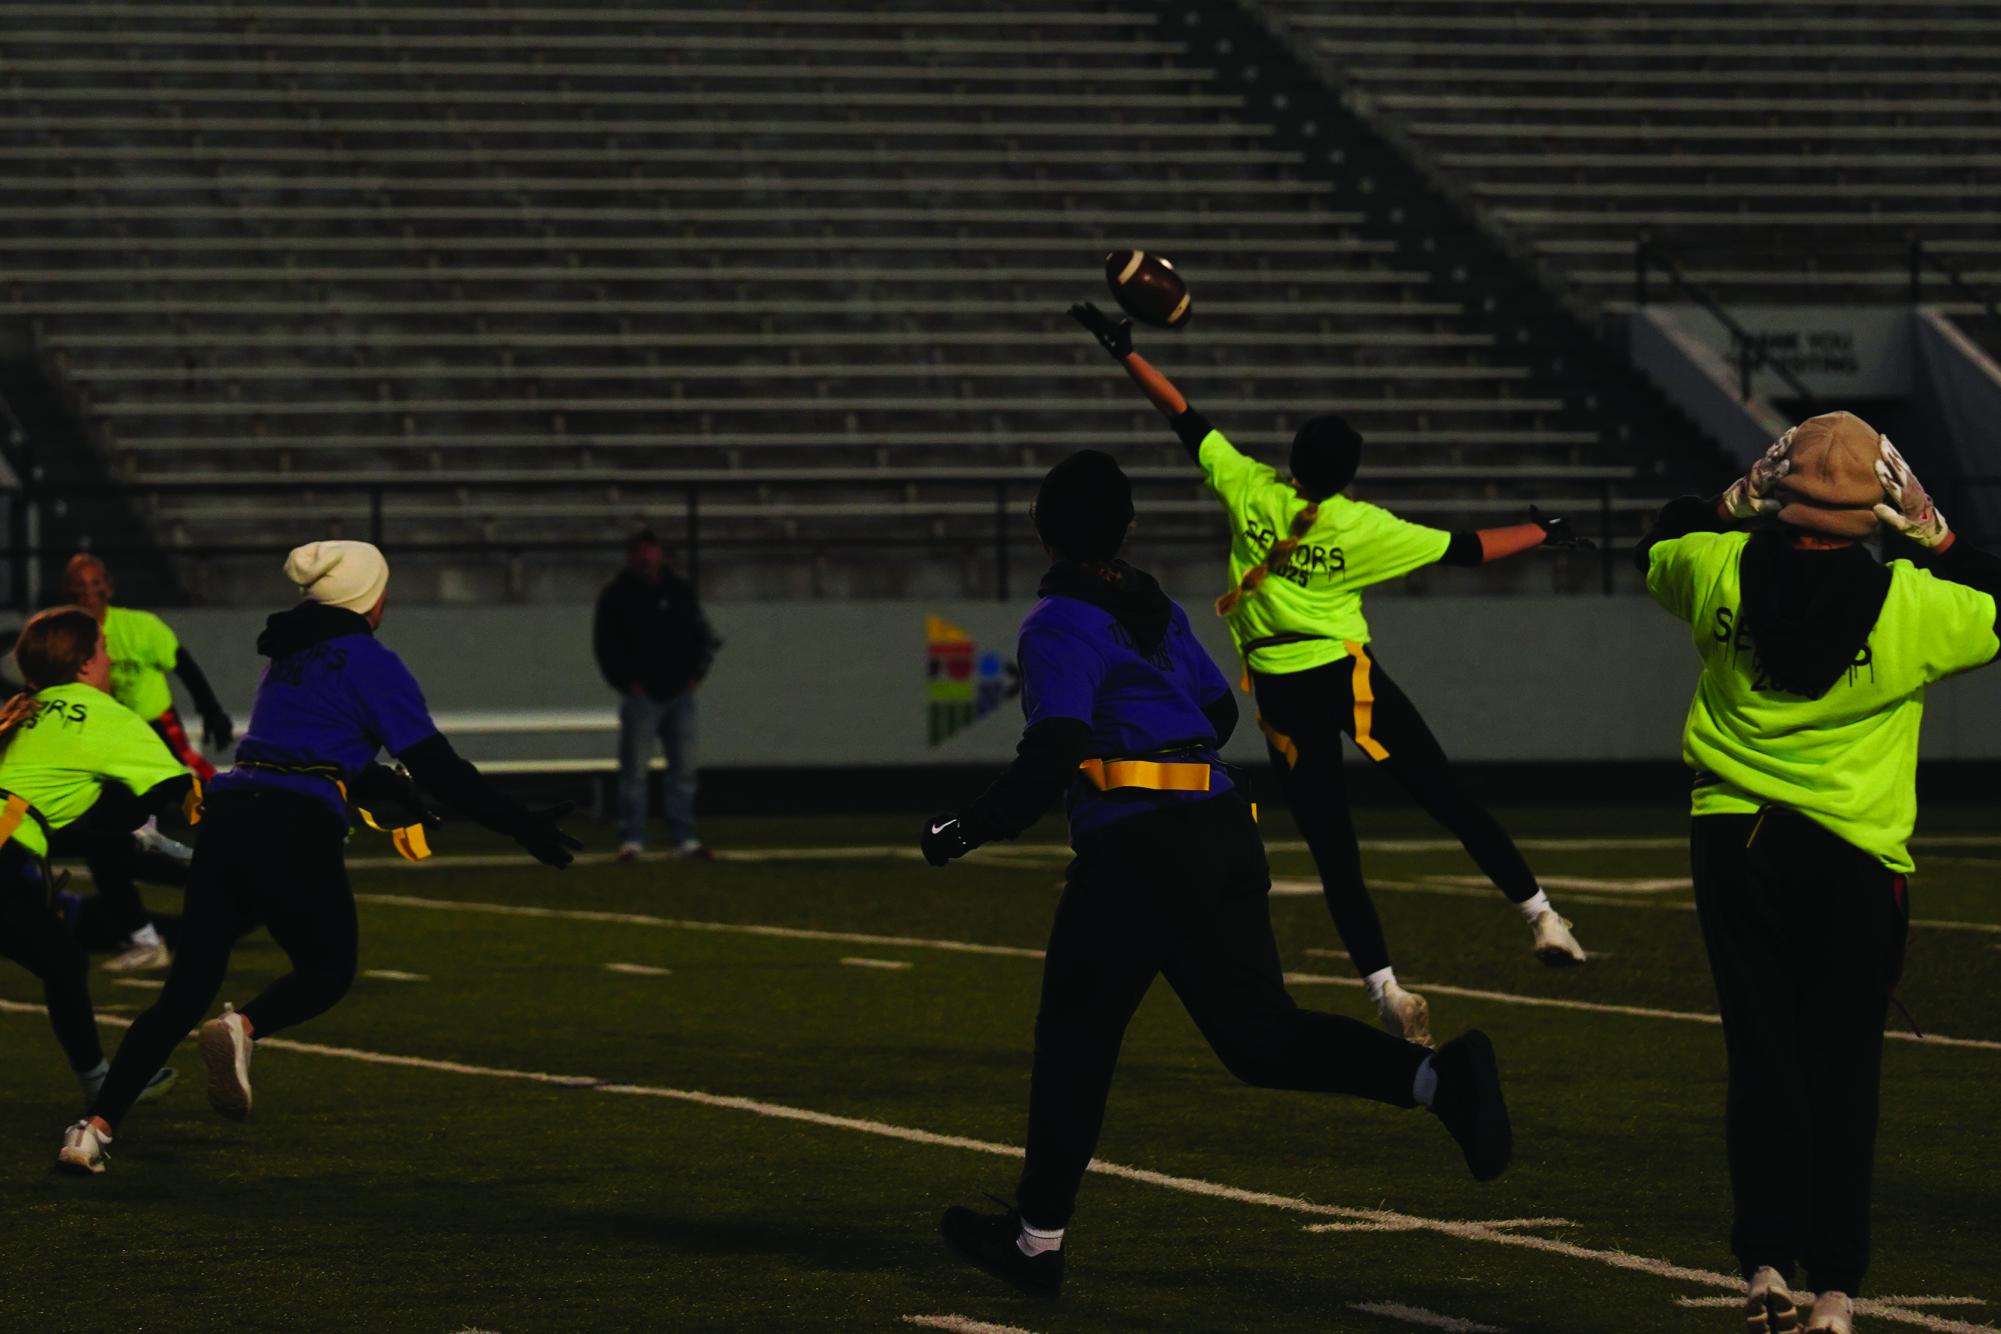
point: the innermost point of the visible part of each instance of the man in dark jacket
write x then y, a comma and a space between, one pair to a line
654, 646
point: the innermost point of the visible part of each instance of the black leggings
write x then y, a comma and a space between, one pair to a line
274, 857
1181, 893
1303, 715
32, 934
1805, 935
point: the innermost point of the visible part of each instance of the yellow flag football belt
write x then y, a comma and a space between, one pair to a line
14, 810
1155, 775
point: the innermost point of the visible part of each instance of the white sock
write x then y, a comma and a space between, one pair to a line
1535, 905
1033, 1241
1376, 981
145, 935
1424, 1088
93, 1078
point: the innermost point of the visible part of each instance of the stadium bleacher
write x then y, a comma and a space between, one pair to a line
515, 274
1786, 151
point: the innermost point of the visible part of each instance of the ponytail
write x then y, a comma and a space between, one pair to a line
53, 647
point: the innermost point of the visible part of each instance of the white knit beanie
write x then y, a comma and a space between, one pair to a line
339, 573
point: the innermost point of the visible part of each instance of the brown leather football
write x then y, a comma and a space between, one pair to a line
1147, 288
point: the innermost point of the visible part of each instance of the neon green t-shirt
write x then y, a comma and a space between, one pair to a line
61, 758
1319, 590
1847, 760
142, 651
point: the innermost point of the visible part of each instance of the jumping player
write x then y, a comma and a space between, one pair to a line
273, 827
1125, 715
1300, 555
143, 650
68, 748
1803, 736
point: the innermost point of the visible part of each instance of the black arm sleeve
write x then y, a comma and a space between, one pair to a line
444, 773
1192, 427
1679, 518
119, 809
1222, 715
1465, 550
185, 667
1045, 764
1964, 563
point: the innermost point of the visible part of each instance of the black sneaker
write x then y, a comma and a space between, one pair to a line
1469, 1102
988, 1240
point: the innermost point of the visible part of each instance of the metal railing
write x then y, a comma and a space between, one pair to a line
1751, 355
689, 506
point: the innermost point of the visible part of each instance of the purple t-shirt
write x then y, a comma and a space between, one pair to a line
337, 702
1078, 662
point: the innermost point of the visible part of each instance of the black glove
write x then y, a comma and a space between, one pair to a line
217, 731
538, 832
390, 797
1116, 339
1558, 534
944, 839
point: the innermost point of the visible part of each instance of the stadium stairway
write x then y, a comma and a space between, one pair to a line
497, 284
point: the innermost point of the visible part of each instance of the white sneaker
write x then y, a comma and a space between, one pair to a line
148, 838
225, 1050
1405, 1014
1554, 944
1768, 1304
629, 850
83, 1149
692, 850
1833, 1313
144, 952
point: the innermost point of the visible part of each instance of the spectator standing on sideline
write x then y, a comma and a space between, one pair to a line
654, 646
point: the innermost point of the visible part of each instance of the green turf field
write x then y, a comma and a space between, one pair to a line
760, 1129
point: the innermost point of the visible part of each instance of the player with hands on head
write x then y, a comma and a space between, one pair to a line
1301, 553
273, 830
1125, 715
1803, 738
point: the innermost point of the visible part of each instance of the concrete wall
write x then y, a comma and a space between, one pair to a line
1499, 678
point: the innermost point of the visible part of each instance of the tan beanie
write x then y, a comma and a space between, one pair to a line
339, 573
1832, 487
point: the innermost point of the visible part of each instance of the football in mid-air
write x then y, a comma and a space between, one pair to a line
1148, 289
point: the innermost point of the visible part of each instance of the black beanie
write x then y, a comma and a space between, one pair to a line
1325, 453
1084, 507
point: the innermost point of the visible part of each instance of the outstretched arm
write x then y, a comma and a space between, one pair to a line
1116, 337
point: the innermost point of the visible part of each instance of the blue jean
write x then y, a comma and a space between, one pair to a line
641, 719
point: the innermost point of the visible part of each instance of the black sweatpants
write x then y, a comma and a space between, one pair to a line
274, 857
1179, 892
1303, 715
33, 935
115, 866
1805, 935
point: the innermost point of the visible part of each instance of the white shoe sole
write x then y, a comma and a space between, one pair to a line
1774, 1315
80, 1162
146, 959
228, 1064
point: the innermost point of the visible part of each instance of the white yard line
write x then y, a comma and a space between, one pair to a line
395, 975
139, 983
1472, 1232
892, 965
1417, 1315
1019, 952
963, 1324
1504, 1224
637, 969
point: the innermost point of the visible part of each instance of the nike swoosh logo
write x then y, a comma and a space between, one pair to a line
941, 828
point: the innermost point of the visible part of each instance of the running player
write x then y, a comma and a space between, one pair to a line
273, 827
143, 650
1803, 736
1125, 715
1300, 555
68, 746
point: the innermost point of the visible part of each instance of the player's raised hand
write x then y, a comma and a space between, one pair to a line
1751, 495
543, 837
1558, 533
1115, 338
1909, 509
